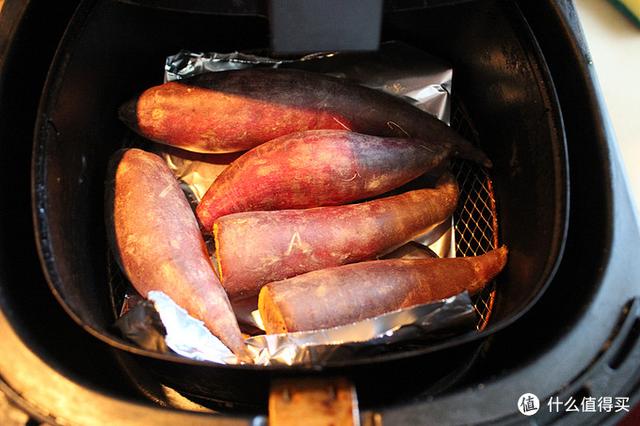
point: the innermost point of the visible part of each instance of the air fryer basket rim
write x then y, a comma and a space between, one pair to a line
48, 261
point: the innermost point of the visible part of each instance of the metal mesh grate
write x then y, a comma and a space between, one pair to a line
475, 220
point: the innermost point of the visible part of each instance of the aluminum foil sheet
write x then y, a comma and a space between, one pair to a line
421, 79
403, 71
186, 335
190, 338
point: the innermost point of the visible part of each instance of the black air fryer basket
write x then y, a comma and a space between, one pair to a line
516, 115
560, 320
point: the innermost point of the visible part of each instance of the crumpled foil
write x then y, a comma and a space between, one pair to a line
419, 78
190, 338
396, 68
186, 335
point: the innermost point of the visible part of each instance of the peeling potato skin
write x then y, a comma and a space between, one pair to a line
345, 294
158, 243
254, 248
316, 168
237, 110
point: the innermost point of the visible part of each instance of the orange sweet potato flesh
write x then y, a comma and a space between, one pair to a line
316, 168
158, 244
237, 110
255, 248
345, 294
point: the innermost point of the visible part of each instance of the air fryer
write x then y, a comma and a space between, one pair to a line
525, 98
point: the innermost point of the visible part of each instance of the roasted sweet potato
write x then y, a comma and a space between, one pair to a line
158, 244
345, 294
316, 168
237, 110
254, 248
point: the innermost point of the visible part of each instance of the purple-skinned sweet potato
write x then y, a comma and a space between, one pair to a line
237, 110
350, 293
254, 248
158, 244
316, 168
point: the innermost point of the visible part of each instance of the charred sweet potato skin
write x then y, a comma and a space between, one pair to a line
157, 241
236, 110
254, 248
316, 168
345, 294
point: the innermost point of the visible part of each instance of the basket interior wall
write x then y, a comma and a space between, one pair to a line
117, 50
